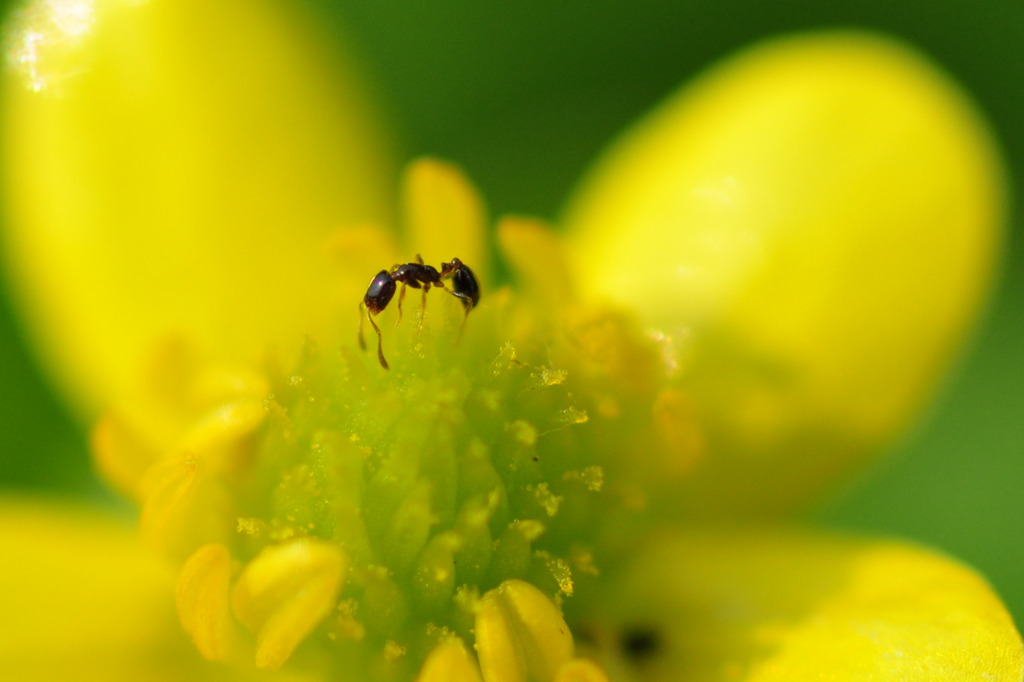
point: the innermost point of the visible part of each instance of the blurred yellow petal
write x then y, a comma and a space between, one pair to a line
358, 252
445, 216
173, 168
83, 600
812, 225
767, 605
537, 258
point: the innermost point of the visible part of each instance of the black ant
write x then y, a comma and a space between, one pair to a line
418, 276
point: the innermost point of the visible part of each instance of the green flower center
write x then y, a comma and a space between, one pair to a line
440, 479
369, 517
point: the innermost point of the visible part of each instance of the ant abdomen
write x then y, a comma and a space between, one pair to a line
380, 292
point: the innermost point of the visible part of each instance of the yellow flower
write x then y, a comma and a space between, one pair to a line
570, 481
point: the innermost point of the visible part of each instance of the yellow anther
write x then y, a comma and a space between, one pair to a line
224, 429
449, 662
435, 569
202, 600
175, 516
520, 634
182, 499
284, 593
581, 670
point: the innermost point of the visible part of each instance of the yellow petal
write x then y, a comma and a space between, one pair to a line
173, 168
520, 634
445, 216
536, 256
284, 593
767, 605
813, 224
82, 600
358, 253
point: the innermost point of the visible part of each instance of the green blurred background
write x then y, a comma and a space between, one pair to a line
525, 94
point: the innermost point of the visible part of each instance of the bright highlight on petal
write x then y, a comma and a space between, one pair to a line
173, 168
812, 225
520, 635
284, 593
767, 605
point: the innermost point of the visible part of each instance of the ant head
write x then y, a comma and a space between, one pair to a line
448, 269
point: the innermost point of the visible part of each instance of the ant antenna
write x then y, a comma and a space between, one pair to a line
380, 340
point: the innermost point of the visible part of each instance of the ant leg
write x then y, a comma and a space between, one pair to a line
362, 342
467, 305
401, 297
466, 301
423, 307
380, 342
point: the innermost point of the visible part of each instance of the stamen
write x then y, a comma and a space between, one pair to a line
449, 662
285, 592
520, 634
581, 670
202, 599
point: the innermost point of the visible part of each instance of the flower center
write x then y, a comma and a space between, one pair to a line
382, 519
